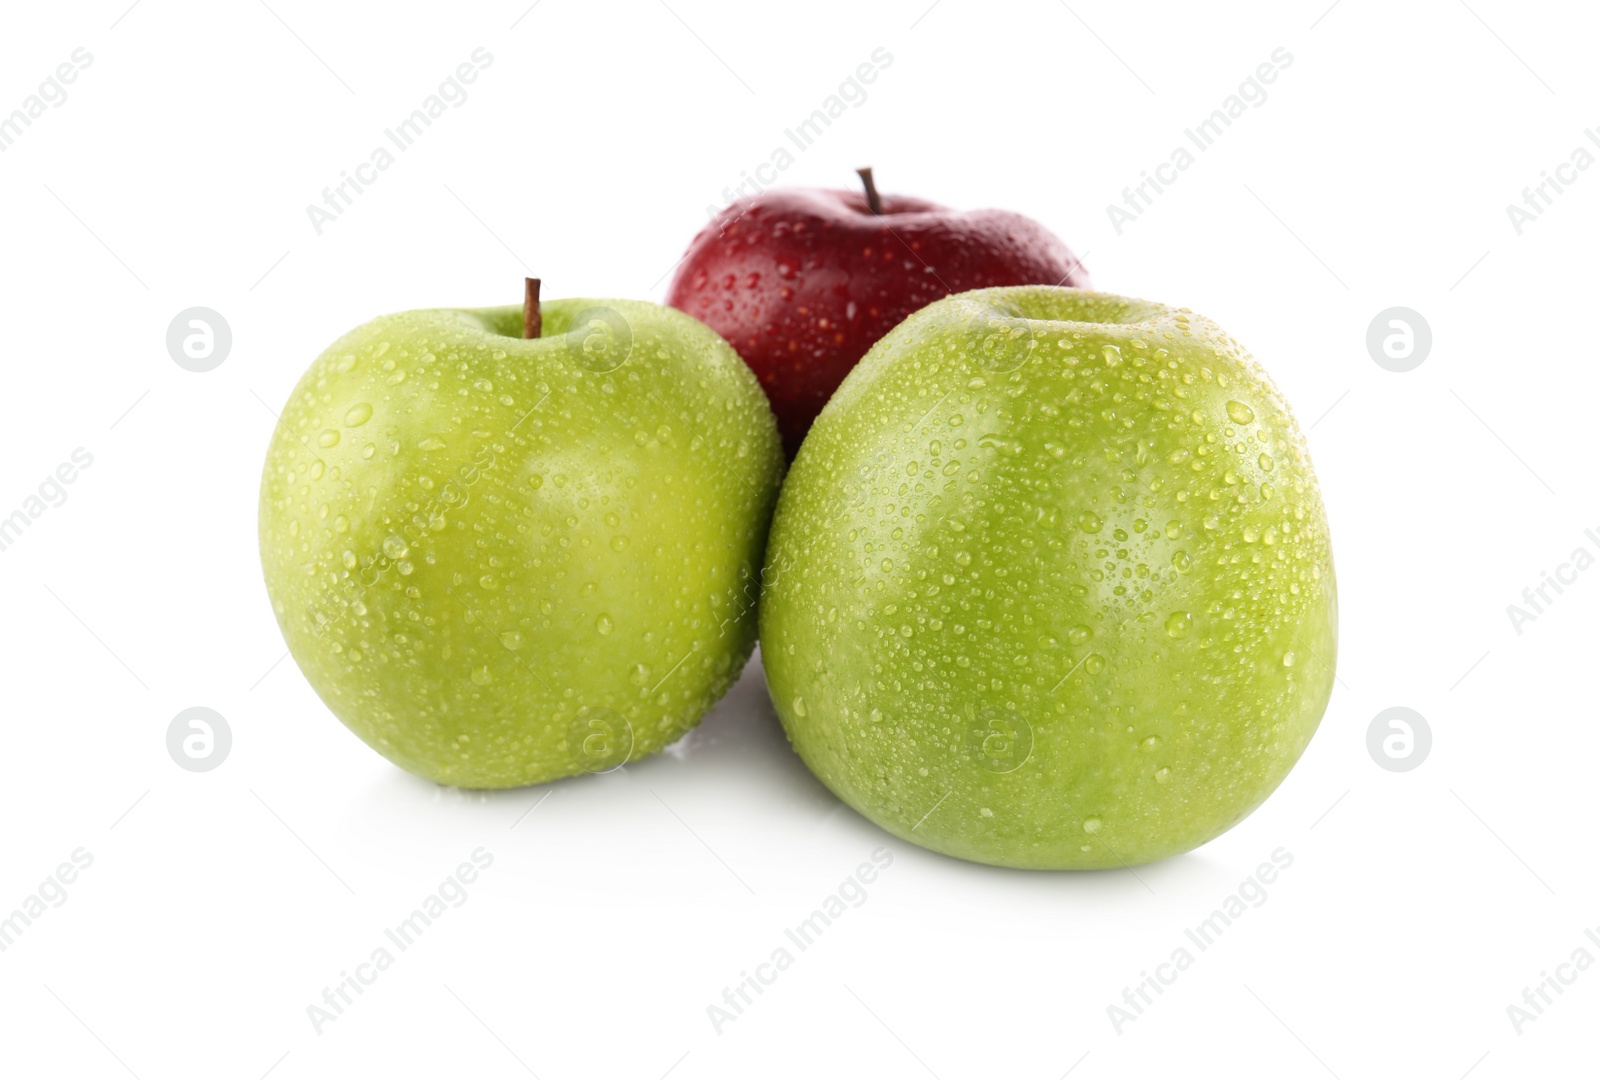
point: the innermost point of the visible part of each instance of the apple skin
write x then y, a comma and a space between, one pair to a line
802, 281
1050, 583
502, 561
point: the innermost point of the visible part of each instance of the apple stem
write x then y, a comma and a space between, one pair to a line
873, 202
532, 321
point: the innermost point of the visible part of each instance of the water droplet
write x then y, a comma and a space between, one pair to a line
1181, 562
1265, 461
1163, 774
1078, 635
1288, 658
432, 442
394, 547
1240, 413
328, 438
1090, 522
1151, 745
619, 543
1178, 624
1091, 825
1112, 354
358, 415
800, 706
1095, 664
481, 676
604, 624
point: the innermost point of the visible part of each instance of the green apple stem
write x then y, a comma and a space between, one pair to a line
873, 202
532, 321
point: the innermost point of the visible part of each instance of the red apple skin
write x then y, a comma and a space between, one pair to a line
803, 281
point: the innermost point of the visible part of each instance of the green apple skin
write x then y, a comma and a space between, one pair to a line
1050, 584
502, 561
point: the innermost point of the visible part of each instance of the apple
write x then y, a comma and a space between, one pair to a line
802, 281
502, 560
1050, 583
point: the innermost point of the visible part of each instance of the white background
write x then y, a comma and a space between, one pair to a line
219, 905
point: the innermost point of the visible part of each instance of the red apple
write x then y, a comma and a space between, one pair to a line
803, 281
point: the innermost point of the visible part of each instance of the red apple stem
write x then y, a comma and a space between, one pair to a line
874, 203
532, 321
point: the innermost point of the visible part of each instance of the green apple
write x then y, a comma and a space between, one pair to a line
503, 560
1050, 584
